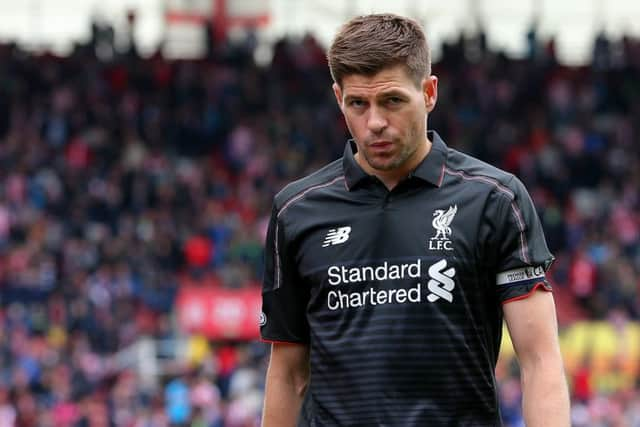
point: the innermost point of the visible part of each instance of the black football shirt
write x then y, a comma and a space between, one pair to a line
399, 294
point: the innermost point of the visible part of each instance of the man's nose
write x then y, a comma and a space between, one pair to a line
376, 121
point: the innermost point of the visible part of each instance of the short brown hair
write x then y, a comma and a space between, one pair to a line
368, 44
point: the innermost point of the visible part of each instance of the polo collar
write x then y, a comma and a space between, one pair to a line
431, 169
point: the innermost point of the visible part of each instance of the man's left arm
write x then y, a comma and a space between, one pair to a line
533, 328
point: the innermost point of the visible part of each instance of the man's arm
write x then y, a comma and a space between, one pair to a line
534, 332
287, 380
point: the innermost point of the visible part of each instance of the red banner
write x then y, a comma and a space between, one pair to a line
220, 313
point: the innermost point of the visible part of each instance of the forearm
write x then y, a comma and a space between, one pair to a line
545, 398
283, 399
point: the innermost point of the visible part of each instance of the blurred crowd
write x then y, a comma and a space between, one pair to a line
122, 176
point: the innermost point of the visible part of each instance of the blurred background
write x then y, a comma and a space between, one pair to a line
141, 143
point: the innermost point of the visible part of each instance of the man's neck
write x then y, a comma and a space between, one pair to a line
391, 178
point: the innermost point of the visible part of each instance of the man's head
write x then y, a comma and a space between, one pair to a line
383, 85
368, 44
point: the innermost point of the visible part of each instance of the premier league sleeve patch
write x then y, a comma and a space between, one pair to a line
519, 283
519, 275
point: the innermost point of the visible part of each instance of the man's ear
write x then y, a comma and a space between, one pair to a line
337, 91
430, 92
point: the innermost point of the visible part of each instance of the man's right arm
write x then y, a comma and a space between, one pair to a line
286, 384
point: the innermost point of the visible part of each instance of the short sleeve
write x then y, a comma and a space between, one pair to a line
284, 298
520, 254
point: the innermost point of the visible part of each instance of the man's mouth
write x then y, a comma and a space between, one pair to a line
380, 144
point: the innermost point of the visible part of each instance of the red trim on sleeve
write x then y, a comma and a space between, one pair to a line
528, 294
268, 341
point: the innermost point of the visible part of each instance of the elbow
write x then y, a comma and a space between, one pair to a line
548, 366
301, 383
301, 386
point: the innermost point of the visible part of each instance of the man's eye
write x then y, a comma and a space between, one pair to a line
394, 100
356, 103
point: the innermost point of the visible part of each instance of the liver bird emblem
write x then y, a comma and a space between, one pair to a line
442, 221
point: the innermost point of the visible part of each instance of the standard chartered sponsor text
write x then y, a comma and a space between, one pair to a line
342, 299
339, 275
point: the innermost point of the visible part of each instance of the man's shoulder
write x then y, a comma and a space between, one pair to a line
322, 178
472, 169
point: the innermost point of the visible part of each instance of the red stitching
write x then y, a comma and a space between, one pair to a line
528, 294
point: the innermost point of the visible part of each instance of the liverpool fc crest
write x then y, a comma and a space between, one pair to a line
442, 223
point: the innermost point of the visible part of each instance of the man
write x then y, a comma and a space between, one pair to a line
389, 272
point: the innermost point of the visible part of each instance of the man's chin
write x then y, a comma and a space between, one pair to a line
383, 166
382, 162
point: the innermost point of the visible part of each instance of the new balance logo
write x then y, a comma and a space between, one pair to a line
441, 283
337, 236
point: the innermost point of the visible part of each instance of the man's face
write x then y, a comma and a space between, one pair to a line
386, 115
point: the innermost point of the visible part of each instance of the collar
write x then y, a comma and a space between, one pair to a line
431, 169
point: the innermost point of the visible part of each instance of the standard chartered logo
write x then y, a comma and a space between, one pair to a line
440, 284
